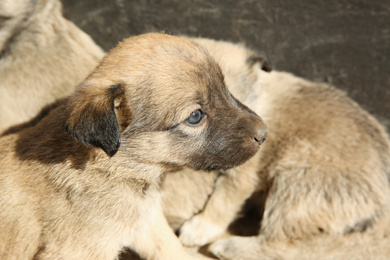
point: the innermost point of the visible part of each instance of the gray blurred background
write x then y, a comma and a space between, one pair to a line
345, 43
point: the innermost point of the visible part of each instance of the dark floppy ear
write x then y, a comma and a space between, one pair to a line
262, 60
93, 116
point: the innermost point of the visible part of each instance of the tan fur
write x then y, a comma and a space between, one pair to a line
84, 182
325, 166
43, 57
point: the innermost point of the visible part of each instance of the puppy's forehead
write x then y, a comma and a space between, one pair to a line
154, 52
157, 58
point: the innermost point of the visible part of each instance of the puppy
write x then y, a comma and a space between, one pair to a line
42, 57
84, 182
325, 165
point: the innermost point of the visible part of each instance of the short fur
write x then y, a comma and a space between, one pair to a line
43, 57
84, 182
325, 167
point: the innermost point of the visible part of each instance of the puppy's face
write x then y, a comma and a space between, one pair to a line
161, 99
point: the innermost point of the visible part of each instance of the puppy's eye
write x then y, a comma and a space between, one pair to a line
195, 118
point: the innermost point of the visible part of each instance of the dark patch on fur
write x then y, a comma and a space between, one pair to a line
360, 226
49, 143
32, 122
265, 64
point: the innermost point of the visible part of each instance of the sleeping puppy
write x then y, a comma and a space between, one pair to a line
43, 57
325, 167
84, 182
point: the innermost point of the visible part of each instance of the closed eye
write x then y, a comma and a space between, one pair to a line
195, 118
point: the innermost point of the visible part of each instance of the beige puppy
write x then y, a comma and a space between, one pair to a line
325, 165
84, 182
43, 57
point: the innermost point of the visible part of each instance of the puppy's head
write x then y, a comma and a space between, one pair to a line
161, 99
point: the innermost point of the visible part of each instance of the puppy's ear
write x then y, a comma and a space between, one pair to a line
264, 63
96, 116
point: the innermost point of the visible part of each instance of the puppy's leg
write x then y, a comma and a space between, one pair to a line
231, 191
185, 194
158, 242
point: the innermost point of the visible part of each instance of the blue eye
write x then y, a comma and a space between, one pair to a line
195, 118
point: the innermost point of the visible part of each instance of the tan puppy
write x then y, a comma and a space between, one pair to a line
84, 182
43, 57
325, 165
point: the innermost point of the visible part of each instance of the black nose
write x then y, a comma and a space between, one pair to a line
261, 135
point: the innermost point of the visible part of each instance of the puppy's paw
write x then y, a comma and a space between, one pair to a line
199, 231
236, 248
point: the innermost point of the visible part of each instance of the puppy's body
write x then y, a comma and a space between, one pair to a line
43, 57
155, 102
44, 207
325, 165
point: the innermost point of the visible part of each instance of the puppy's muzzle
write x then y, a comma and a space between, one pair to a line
261, 135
